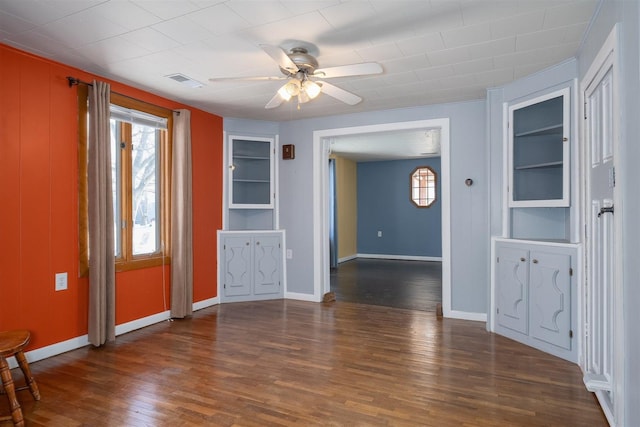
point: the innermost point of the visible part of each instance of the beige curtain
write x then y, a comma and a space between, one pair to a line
102, 320
181, 218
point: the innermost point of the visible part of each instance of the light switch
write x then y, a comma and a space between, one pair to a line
61, 281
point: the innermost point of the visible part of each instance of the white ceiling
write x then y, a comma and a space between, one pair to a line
390, 145
431, 51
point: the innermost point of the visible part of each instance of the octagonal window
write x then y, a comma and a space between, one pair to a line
423, 186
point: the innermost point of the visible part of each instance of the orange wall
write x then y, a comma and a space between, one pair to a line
39, 205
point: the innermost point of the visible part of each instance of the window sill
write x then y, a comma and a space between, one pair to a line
147, 262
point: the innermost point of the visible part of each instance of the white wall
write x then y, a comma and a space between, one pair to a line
627, 15
469, 205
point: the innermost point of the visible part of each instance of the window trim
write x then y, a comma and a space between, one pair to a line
128, 262
435, 186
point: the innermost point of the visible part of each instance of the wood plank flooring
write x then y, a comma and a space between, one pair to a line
415, 285
285, 363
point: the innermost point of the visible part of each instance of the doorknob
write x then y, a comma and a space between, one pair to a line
608, 209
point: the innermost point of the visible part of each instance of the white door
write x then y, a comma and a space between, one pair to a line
237, 266
513, 280
600, 217
550, 296
266, 272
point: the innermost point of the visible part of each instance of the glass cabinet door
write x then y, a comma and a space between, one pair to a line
251, 173
539, 136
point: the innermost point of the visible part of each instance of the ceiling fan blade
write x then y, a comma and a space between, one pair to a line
274, 102
339, 94
363, 69
281, 58
250, 78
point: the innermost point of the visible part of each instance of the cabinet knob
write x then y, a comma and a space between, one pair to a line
565, 139
522, 260
535, 261
247, 243
257, 243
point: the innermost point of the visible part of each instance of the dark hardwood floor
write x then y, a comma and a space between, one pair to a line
286, 363
415, 285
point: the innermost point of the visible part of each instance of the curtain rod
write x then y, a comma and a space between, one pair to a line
73, 81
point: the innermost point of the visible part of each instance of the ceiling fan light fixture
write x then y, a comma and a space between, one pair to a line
292, 88
303, 97
312, 89
284, 93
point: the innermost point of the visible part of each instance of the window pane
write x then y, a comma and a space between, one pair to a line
423, 186
116, 186
145, 192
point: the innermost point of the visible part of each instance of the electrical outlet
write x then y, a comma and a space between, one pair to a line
379, 233
289, 253
61, 281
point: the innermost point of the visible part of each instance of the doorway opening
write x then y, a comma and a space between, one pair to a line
322, 198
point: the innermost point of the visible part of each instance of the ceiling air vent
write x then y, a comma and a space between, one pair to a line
187, 81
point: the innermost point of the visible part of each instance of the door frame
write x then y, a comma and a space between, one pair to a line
608, 54
321, 140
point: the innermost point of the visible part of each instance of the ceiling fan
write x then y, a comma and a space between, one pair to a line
301, 71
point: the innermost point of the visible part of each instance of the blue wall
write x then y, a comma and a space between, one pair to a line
384, 205
469, 249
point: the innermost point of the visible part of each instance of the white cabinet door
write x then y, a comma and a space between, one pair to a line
237, 266
512, 288
550, 293
266, 265
251, 266
251, 173
535, 303
539, 142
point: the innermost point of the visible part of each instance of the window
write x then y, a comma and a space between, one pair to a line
423, 186
140, 169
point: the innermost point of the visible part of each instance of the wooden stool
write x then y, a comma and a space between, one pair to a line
11, 344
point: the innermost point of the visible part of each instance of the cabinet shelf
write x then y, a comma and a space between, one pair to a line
251, 180
548, 130
539, 135
540, 165
251, 157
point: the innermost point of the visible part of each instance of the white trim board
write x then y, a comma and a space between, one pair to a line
347, 258
321, 140
400, 257
83, 340
467, 315
301, 297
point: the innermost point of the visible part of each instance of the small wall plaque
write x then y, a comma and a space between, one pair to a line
288, 152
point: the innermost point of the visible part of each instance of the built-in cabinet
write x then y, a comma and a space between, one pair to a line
250, 265
535, 300
537, 258
251, 247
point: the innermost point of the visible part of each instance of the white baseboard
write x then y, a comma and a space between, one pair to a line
302, 297
465, 315
79, 342
206, 303
51, 350
141, 323
401, 257
347, 258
